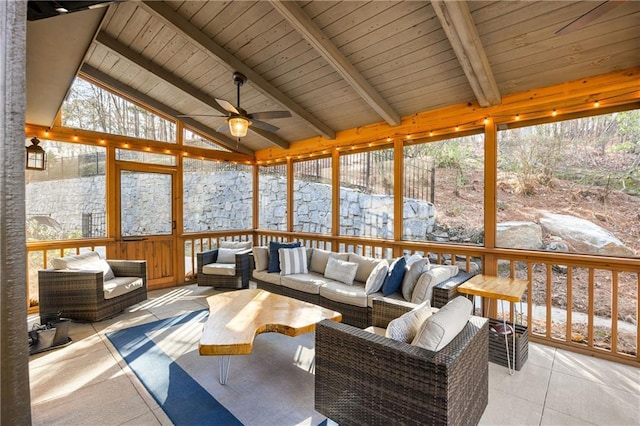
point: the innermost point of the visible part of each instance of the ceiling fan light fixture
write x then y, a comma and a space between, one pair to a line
238, 126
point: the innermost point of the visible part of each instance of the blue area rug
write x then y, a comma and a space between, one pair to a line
155, 352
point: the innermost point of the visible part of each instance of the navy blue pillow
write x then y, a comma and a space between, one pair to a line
393, 281
274, 256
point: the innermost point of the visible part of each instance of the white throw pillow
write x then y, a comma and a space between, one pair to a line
405, 327
226, 255
417, 268
293, 260
376, 279
443, 326
341, 270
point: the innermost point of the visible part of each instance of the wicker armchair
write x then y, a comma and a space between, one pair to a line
240, 277
79, 294
365, 379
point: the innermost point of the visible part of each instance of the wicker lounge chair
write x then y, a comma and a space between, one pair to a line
79, 294
364, 379
241, 270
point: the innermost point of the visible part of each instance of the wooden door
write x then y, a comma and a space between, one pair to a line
146, 222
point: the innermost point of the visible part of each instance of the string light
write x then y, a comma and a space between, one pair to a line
554, 112
517, 117
596, 104
486, 120
431, 133
389, 139
457, 128
408, 137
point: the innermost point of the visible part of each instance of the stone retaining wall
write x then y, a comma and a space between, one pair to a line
223, 200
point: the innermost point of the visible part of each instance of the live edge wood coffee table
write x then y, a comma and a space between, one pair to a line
236, 317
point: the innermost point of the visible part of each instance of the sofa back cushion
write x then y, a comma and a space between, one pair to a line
319, 259
235, 244
293, 260
423, 289
416, 268
365, 266
443, 326
340, 270
89, 261
261, 258
274, 256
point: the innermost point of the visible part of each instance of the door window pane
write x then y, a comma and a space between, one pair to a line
145, 203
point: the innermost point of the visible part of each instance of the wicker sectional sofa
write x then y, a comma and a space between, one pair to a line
352, 300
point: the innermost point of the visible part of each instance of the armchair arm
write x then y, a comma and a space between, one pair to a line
363, 378
129, 268
244, 266
206, 257
384, 310
55, 285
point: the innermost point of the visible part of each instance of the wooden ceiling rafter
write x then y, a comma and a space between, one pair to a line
173, 20
614, 91
131, 93
462, 33
297, 18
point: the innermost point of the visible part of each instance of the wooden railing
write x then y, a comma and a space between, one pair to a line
583, 303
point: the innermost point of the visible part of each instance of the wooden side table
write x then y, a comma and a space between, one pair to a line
498, 288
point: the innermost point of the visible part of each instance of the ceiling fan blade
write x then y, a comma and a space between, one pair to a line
264, 126
590, 16
200, 115
228, 106
269, 114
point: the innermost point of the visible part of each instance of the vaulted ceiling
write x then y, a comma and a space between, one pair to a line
334, 65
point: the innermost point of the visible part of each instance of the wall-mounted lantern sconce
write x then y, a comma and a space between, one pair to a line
36, 157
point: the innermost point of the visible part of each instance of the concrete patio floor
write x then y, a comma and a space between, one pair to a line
88, 383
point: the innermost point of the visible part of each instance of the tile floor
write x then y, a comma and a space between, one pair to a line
87, 383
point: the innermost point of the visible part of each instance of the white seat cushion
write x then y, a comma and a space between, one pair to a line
224, 269
121, 285
269, 277
354, 295
308, 283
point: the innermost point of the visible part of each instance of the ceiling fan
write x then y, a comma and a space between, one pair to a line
238, 120
590, 16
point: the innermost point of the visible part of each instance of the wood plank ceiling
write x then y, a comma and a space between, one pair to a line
339, 65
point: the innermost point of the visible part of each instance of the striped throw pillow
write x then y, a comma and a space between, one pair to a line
293, 260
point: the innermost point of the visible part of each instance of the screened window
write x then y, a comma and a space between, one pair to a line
312, 196
90, 107
145, 157
444, 191
68, 199
217, 196
272, 197
366, 194
571, 186
190, 138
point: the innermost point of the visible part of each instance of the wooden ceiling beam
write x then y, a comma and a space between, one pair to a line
461, 31
131, 93
294, 14
134, 57
271, 137
173, 20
